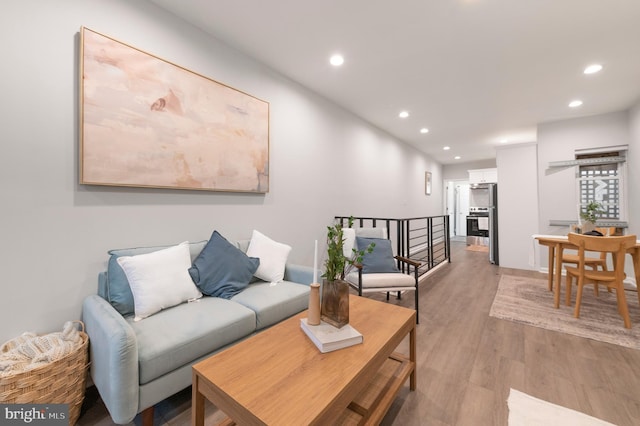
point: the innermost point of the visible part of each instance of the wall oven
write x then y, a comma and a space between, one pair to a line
475, 227
478, 226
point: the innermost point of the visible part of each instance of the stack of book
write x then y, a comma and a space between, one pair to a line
329, 338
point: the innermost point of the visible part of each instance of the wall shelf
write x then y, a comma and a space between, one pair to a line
587, 161
600, 223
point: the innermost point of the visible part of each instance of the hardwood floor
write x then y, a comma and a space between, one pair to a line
468, 361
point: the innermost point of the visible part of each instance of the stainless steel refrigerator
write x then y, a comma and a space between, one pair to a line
493, 223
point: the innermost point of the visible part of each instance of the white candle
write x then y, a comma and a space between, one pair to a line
315, 263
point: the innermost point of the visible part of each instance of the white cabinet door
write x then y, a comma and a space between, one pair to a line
475, 177
483, 176
491, 176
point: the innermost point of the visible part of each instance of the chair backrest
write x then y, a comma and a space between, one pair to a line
350, 234
617, 245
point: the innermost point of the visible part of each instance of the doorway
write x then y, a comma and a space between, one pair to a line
457, 208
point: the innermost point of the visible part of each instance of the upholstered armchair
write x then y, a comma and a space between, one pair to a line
379, 270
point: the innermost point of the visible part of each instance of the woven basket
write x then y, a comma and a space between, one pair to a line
60, 382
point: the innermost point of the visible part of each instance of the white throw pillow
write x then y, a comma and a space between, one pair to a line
349, 242
273, 257
160, 279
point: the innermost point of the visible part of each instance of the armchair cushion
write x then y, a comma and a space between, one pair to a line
349, 235
382, 281
380, 260
349, 243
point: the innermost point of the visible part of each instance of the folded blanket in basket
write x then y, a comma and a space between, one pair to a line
29, 350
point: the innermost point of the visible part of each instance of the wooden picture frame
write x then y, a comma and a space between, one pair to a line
427, 183
146, 122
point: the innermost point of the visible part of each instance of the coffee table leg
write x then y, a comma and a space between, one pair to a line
197, 403
412, 357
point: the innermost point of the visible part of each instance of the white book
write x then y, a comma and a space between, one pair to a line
329, 338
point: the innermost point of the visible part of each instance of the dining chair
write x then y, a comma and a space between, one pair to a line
613, 279
590, 261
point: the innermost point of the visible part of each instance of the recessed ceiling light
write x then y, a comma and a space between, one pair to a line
592, 69
575, 104
446, 148
403, 114
336, 60
457, 157
424, 130
504, 140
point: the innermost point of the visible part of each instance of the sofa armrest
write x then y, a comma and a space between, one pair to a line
299, 274
114, 358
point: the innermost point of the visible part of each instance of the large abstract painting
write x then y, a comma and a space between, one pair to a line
146, 122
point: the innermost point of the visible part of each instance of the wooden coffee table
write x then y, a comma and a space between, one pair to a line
279, 377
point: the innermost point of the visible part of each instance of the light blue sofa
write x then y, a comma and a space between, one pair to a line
135, 365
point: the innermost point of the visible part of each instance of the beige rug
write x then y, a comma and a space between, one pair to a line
528, 301
478, 248
525, 410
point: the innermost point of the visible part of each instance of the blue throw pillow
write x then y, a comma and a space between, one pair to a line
380, 260
118, 291
221, 269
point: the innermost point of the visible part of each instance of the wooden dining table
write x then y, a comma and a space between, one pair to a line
557, 244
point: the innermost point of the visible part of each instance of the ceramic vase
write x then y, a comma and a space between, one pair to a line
587, 226
335, 303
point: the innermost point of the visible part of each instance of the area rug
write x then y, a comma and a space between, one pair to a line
525, 410
528, 301
478, 248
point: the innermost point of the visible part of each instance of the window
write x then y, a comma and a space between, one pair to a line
601, 179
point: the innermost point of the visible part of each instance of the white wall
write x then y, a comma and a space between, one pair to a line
517, 204
556, 188
633, 170
460, 171
557, 141
323, 161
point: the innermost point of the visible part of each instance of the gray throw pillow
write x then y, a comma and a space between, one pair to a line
380, 260
221, 269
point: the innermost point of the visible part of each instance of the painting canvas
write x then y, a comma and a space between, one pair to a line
427, 183
146, 122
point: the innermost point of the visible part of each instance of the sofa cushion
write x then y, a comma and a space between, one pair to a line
117, 289
274, 302
222, 269
184, 333
160, 279
272, 254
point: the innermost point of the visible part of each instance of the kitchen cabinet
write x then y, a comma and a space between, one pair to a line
483, 176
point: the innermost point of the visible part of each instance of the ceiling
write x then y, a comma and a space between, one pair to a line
476, 73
